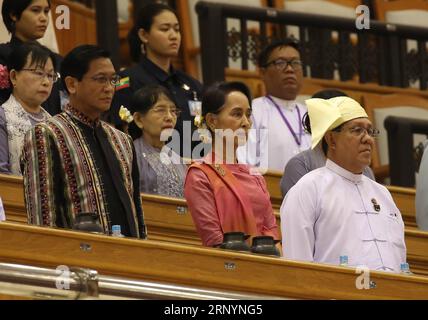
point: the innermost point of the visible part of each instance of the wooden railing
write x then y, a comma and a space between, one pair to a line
198, 266
380, 55
12, 195
169, 220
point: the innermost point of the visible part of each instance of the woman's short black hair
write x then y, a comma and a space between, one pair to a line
144, 21
142, 101
38, 54
76, 63
279, 43
14, 8
215, 95
323, 94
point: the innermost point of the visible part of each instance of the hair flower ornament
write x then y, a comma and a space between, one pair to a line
125, 115
199, 119
204, 133
4, 77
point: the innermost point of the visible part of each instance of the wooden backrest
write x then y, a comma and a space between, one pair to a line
251, 78
12, 195
393, 105
404, 199
197, 266
169, 220
382, 7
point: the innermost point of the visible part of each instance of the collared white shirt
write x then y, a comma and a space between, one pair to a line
271, 143
2, 214
332, 212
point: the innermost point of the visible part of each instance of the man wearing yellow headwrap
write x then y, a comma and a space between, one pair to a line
335, 214
311, 159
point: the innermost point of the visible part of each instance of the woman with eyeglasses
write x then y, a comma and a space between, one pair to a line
27, 20
32, 75
154, 43
162, 171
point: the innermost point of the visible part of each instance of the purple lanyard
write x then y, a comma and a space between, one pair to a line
299, 138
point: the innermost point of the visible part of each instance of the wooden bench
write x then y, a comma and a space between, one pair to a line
13, 198
12, 195
197, 266
169, 220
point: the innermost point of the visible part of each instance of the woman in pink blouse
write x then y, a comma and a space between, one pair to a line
224, 196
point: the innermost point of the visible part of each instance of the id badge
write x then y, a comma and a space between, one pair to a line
195, 107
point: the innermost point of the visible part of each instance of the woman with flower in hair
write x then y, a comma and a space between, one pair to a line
222, 195
32, 75
26, 20
162, 171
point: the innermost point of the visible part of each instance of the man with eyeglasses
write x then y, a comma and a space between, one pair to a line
311, 159
335, 214
75, 163
277, 133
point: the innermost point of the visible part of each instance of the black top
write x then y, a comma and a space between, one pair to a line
182, 87
119, 208
53, 103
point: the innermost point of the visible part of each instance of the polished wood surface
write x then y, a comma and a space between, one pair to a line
404, 198
12, 195
169, 220
11, 192
198, 266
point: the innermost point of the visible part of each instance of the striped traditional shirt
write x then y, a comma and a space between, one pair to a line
73, 165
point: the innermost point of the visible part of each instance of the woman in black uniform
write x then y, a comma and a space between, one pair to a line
154, 41
27, 20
